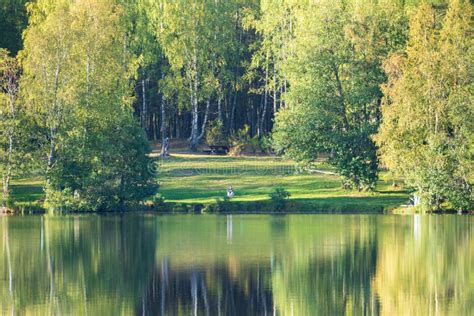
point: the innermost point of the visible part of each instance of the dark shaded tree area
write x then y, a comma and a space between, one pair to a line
13, 20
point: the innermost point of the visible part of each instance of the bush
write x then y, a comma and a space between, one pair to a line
223, 205
110, 172
279, 198
158, 202
209, 208
266, 144
242, 142
215, 133
239, 141
180, 208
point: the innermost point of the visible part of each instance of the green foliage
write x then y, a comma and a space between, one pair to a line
279, 198
201, 46
158, 201
16, 127
112, 174
180, 208
215, 133
96, 154
239, 141
427, 132
355, 157
334, 75
329, 71
266, 144
223, 205
257, 144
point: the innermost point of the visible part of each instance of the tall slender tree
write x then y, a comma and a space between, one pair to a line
9, 121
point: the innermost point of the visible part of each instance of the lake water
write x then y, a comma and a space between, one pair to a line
237, 265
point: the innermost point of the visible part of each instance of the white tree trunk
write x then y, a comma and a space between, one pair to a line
204, 121
11, 90
164, 135
143, 115
265, 102
54, 117
274, 92
193, 139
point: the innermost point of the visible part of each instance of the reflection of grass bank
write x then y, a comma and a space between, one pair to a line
190, 179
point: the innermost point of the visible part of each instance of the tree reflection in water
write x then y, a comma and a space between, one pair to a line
207, 291
283, 265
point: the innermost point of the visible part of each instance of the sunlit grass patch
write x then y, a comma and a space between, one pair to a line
188, 178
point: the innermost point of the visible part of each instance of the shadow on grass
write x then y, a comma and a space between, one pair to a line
27, 192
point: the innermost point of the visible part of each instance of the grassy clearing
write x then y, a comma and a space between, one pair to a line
25, 191
201, 179
186, 178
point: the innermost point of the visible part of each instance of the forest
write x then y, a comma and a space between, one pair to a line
86, 86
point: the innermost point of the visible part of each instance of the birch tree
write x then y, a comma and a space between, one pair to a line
78, 70
9, 122
274, 26
426, 135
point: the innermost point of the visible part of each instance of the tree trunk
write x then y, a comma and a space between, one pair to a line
274, 92
11, 136
193, 84
53, 126
204, 121
8, 172
219, 110
265, 102
163, 126
143, 115
177, 130
259, 111
232, 113
193, 139
341, 98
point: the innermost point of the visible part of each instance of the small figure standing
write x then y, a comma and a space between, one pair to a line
230, 192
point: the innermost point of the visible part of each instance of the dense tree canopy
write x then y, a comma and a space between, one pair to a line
427, 131
334, 76
77, 86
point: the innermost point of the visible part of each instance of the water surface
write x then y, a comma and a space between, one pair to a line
237, 265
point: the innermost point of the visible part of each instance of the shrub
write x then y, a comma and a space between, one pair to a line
240, 141
180, 208
279, 198
109, 173
266, 144
215, 133
158, 201
223, 205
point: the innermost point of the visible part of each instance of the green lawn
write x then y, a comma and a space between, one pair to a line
186, 178
199, 179
26, 191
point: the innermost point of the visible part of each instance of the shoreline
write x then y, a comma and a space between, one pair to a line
236, 208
